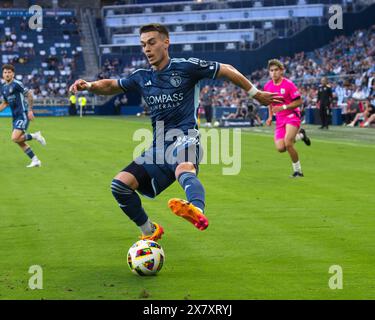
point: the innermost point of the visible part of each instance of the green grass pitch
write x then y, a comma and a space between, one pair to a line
270, 237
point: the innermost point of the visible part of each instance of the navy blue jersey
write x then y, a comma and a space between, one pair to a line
172, 94
14, 94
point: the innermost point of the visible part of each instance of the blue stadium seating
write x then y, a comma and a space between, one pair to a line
43, 49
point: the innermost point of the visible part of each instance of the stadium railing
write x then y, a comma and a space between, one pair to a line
192, 37
88, 15
178, 17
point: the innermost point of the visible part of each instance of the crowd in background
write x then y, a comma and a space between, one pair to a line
57, 69
347, 62
114, 68
349, 65
51, 80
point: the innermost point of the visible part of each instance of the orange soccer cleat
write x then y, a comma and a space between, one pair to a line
188, 211
158, 232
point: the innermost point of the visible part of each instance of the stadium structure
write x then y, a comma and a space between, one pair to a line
95, 39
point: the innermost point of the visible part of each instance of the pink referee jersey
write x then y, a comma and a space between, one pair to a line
289, 92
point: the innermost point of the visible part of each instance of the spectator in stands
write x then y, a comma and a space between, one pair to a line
347, 60
369, 110
352, 55
6, 4
360, 93
351, 110
369, 121
17, 46
371, 83
253, 113
339, 93
119, 102
124, 99
241, 112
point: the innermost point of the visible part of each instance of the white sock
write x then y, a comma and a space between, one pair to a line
200, 209
297, 167
33, 135
299, 136
147, 228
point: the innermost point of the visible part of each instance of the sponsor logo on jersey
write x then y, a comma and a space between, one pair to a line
165, 101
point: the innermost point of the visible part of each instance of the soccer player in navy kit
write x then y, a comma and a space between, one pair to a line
14, 93
171, 90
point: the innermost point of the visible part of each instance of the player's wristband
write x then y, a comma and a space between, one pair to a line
89, 86
284, 107
253, 91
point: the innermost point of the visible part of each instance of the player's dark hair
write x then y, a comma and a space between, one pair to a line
8, 67
154, 27
276, 63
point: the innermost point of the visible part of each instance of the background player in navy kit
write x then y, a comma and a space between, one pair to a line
14, 93
171, 90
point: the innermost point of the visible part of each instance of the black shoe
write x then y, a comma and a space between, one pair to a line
321, 127
305, 138
297, 175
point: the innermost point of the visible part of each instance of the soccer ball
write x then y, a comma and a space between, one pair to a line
216, 123
145, 258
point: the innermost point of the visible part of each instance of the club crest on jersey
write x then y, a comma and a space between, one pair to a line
282, 91
175, 80
203, 63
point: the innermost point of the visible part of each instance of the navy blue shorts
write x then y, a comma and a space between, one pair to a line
21, 123
160, 163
